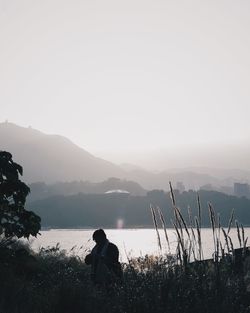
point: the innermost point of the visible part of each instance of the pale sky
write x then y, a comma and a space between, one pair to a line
120, 77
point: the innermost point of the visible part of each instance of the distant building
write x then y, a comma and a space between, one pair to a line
229, 190
117, 191
207, 187
180, 186
241, 190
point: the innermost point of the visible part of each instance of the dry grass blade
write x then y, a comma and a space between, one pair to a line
172, 194
219, 227
199, 238
238, 232
231, 244
245, 242
180, 217
199, 209
230, 221
222, 251
191, 223
176, 210
226, 239
198, 226
213, 224
211, 216
217, 248
242, 233
180, 238
164, 227
178, 252
176, 217
156, 226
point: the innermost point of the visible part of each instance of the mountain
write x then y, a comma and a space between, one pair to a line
226, 174
52, 158
218, 159
160, 180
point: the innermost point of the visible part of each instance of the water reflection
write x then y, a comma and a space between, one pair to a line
131, 242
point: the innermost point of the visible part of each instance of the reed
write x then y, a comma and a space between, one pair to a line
230, 221
231, 245
199, 239
164, 228
193, 239
198, 227
244, 240
156, 227
238, 233
172, 194
181, 251
213, 225
226, 240
189, 237
219, 245
182, 221
242, 233
199, 209
245, 244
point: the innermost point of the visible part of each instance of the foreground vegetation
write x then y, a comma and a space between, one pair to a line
51, 281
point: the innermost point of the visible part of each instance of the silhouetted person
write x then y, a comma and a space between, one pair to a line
104, 260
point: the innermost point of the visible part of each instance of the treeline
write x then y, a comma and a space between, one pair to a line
40, 190
95, 210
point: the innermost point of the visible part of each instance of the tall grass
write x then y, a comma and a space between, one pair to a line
189, 236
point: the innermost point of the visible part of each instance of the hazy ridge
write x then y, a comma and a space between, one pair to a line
53, 158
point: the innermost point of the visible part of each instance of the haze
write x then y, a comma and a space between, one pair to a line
127, 80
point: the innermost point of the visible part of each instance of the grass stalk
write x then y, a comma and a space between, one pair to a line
156, 226
164, 228
238, 233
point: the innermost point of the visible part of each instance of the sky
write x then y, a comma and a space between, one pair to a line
122, 78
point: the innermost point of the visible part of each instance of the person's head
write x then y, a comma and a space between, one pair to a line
99, 236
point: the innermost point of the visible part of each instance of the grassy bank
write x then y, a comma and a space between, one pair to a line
51, 281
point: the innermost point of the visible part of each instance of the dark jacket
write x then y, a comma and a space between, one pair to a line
104, 261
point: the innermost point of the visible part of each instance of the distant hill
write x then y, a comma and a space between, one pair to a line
52, 158
41, 190
161, 180
221, 160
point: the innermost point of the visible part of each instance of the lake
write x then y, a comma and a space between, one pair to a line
131, 242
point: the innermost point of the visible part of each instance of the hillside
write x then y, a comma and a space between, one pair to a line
52, 158
41, 190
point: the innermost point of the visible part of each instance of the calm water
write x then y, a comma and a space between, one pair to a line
131, 242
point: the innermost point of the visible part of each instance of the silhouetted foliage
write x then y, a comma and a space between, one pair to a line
14, 219
51, 281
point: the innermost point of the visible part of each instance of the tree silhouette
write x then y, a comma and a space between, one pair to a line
14, 219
